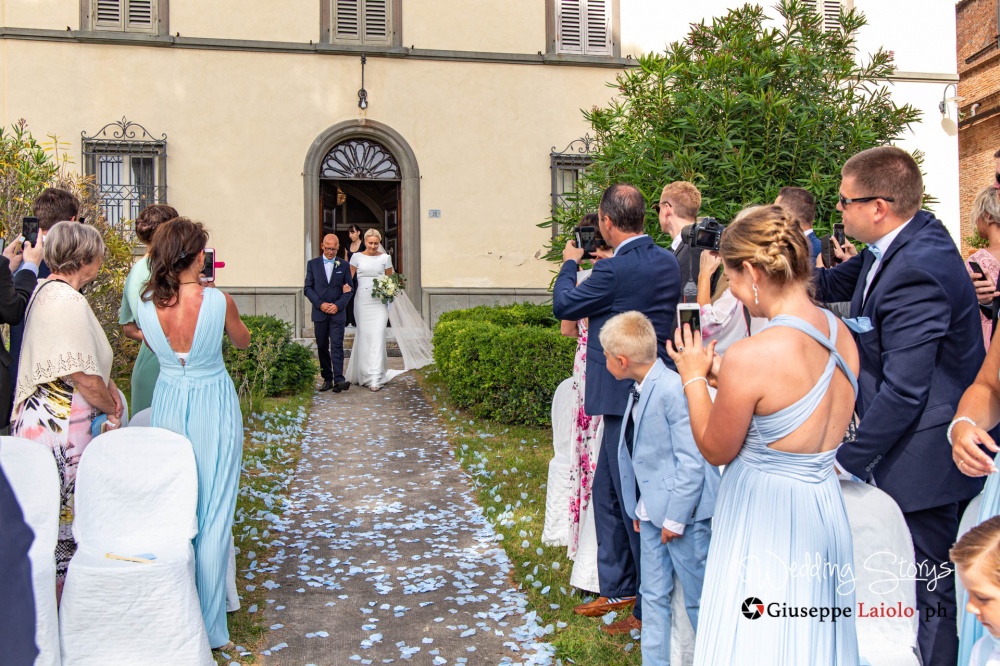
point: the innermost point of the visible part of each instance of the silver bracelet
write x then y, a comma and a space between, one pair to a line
692, 381
952, 425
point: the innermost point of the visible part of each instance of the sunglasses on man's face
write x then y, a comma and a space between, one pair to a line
998, 178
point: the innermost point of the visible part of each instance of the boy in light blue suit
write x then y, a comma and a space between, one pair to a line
668, 487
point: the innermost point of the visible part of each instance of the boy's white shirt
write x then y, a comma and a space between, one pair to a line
640, 507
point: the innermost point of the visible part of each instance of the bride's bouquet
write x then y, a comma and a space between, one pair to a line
387, 287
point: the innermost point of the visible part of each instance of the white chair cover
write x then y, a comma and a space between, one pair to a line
969, 520
141, 418
31, 469
136, 494
681, 631
881, 543
232, 594
557, 490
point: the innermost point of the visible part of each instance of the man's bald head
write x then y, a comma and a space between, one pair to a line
330, 246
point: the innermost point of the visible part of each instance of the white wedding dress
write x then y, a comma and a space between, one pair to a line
367, 363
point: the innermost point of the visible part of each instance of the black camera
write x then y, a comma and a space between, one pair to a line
706, 233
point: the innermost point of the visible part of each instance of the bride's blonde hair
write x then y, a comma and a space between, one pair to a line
375, 233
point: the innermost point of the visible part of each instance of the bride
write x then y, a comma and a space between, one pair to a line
367, 365
368, 358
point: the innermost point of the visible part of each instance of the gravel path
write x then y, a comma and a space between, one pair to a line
386, 557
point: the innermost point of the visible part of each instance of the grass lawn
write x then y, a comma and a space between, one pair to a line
508, 466
271, 451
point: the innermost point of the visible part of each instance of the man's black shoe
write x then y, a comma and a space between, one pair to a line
342, 386
336, 388
327, 385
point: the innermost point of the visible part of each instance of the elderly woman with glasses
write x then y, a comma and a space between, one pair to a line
64, 379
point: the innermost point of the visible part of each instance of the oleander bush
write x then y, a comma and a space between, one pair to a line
273, 364
503, 362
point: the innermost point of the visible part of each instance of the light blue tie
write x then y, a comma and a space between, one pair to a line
877, 252
864, 324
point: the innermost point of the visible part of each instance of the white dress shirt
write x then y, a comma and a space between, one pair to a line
882, 244
640, 507
328, 267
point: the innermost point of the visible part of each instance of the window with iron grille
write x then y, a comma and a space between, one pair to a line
583, 27
567, 166
129, 167
124, 15
364, 22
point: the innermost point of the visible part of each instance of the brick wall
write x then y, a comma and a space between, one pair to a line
979, 83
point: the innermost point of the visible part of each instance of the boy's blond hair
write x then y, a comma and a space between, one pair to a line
630, 334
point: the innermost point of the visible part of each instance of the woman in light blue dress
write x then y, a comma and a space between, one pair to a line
781, 542
182, 323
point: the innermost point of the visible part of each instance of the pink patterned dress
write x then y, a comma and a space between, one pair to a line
988, 263
58, 416
583, 457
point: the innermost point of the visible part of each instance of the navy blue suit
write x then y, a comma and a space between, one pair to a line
643, 277
16, 337
924, 349
329, 328
17, 611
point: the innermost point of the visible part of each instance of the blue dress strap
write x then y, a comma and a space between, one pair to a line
830, 343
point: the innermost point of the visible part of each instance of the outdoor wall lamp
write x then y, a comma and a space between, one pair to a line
944, 106
363, 94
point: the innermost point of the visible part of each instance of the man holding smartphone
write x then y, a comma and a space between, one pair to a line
916, 321
640, 276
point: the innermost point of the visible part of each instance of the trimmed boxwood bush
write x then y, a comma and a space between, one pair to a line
273, 364
503, 362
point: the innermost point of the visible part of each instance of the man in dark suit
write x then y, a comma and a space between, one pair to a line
640, 276
328, 288
916, 322
677, 211
52, 205
17, 612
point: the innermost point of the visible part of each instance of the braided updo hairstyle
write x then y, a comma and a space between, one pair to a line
175, 247
770, 241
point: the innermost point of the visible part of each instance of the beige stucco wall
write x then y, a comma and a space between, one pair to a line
51, 14
511, 26
281, 21
239, 125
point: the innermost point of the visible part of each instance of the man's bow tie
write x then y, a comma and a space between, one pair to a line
635, 393
329, 261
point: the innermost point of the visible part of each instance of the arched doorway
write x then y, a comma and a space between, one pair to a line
364, 171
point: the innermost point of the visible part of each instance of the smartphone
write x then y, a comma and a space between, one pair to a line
586, 240
689, 313
29, 230
977, 269
208, 271
838, 233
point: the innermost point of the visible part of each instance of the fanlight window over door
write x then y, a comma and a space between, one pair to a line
360, 159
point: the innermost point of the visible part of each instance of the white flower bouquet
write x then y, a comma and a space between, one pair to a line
388, 287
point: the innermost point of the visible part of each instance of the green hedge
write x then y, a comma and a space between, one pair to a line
273, 364
503, 362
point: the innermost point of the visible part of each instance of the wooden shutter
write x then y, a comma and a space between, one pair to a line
829, 10
141, 16
598, 27
108, 14
583, 26
569, 26
831, 14
347, 21
377, 22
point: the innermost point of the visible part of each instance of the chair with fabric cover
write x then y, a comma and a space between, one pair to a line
136, 497
881, 545
557, 490
31, 470
125, 418
141, 418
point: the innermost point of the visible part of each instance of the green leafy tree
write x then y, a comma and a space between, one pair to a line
25, 170
741, 109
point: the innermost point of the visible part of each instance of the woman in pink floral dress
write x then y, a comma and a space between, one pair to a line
986, 218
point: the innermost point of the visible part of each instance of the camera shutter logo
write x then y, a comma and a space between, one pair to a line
753, 608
